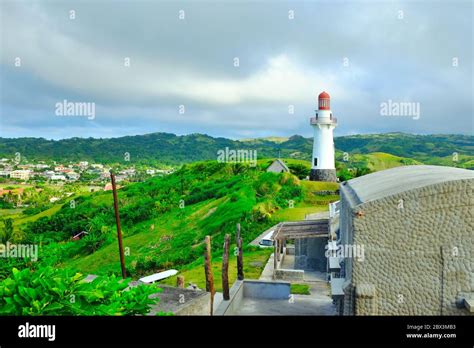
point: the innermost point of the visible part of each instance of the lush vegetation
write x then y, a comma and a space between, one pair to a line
165, 219
49, 291
165, 148
164, 222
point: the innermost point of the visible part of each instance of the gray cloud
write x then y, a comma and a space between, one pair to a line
190, 62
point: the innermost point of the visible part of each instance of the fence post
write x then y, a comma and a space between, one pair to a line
240, 260
225, 268
208, 270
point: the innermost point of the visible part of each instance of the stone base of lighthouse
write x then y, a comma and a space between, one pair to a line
323, 175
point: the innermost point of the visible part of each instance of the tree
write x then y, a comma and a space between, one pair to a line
344, 175
7, 232
300, 170
362, 171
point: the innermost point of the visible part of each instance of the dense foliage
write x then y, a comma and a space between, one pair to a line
49, 291
171, 149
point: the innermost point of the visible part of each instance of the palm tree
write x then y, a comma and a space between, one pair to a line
6, 234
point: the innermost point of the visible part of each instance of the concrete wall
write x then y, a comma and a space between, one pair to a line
198, 306
289, 274
180, 301
310, 254
282, 257
236, 293
290, 250
418, 258
266, 290
252, 289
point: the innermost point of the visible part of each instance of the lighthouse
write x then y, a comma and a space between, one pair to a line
322, 164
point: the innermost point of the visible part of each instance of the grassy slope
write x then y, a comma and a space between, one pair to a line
20, 220
254, 262
375, 161
179, 232
187, 224
145, 241
312, 203
379, 161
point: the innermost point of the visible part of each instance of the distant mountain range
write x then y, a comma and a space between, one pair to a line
170, 149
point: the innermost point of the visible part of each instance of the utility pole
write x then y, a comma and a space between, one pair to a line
119, 230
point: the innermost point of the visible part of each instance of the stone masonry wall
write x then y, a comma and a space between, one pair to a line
323, 175
419, 251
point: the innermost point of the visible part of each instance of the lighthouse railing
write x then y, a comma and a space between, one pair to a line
316, 120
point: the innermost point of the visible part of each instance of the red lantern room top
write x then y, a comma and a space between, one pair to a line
323, 101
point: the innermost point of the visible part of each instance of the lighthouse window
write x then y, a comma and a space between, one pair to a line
315, 161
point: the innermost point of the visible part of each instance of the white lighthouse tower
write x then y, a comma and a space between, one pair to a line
322, 166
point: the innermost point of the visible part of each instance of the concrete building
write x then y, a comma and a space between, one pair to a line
20, 174
58, 177
278, 166
73, 176
322, 166
413, 227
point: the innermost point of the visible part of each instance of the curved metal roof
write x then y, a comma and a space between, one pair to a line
400, 179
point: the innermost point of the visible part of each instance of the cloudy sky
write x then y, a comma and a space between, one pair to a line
363, 54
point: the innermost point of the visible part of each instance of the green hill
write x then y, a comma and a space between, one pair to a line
165, 148
374, 161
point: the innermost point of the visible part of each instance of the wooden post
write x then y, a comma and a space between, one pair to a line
225, 268
275, 261
119, 230
277, 250
240, 259
208, 270
180, 282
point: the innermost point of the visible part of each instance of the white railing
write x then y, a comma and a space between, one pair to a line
320, 120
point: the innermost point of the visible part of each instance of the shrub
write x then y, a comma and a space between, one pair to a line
50, 291
263, 211
289, 179
300, 170
6, 234
94, 240
36, 210
288, 193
